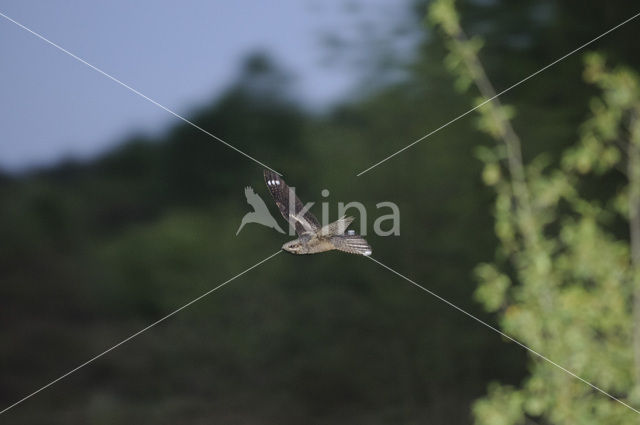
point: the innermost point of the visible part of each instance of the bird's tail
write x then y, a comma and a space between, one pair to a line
353, 244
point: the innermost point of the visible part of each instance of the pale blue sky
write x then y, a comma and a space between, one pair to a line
180, 54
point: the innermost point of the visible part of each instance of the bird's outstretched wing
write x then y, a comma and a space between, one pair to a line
303, 222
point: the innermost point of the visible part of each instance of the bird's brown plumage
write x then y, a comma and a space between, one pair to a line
312, 238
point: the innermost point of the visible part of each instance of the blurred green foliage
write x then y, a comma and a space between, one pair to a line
91, 252
563, 283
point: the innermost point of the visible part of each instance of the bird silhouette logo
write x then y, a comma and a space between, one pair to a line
260, 214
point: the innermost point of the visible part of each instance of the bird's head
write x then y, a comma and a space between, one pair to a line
294, 247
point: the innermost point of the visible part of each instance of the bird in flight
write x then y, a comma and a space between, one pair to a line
260, 213
312, 238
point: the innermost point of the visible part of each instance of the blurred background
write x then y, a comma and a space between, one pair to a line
113, 212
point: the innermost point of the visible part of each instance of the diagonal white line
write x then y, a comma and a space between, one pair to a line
112, 78
504, 334
500, 94
137, 333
